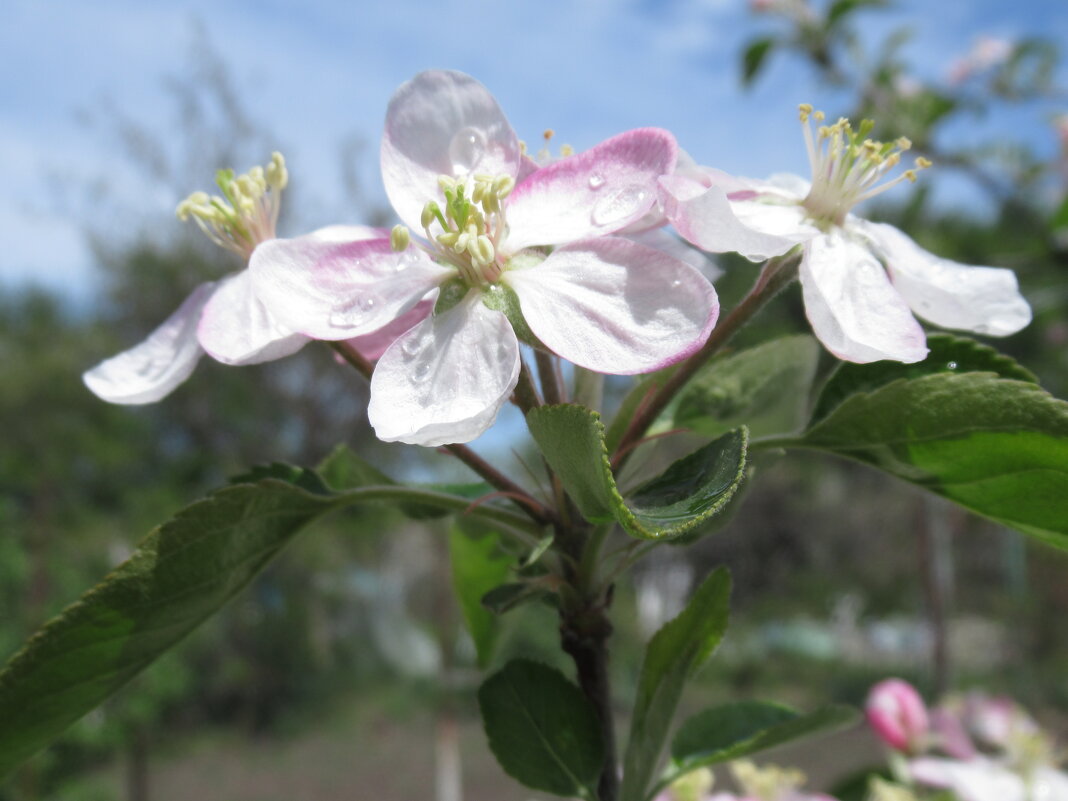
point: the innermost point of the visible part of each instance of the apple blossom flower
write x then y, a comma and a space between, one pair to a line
511, 251
857, 310
897, 714
987, 779
222, 318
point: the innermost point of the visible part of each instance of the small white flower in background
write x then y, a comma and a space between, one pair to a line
223, 317
512, 247
861, 281
986, 53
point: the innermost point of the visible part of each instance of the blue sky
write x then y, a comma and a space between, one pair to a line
321, 70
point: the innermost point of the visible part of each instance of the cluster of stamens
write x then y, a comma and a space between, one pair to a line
472, 226
247, 211
544, 156
847, 167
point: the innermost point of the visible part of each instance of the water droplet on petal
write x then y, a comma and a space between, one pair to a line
410, 348
351, 312
619, 206
466, 149
676, 283
596, 181
951, 366
421, 372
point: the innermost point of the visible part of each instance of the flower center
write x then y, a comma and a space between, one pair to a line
847, 167
246, 213
471, 227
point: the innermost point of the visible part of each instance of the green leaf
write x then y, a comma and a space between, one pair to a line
840, 9
507, 597
948, 354
993, 445
739, 729
542, 729
478, 565
765, 388
180, 575
754, 56
690, 491
673, 655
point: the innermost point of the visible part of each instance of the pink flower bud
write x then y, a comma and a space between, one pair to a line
897, 714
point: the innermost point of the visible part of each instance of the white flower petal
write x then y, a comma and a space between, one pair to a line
985, 300
1050, 785
236, 328
614, 306
442, 123
706, 217
348, 233
853, 308
663, 240
445, 379
973, 780
150, 371
372, 346
330, 290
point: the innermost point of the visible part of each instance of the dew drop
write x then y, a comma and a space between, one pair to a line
951, 366
351, 312
619, 206
596, 181
466, 149
676, 283
410, 348
421, 372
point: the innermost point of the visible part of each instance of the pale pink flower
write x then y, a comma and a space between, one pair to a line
861, 281
501, 235
222, 318
985, 779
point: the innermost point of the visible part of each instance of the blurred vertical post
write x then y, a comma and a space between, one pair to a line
934, 527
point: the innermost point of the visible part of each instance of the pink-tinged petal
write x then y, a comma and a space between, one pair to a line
442, 123
614, 306
527, 167
150, 371
348, 233
236, 328
950, 736
897, 714
973, 780
445, 380
655, 217
985, 300
706, 217
853, 308
593, 193
372, 346
333, 291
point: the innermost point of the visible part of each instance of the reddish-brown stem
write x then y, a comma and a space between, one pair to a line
777, 273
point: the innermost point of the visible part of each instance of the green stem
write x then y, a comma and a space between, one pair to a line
775, 275
526, 394
550, 387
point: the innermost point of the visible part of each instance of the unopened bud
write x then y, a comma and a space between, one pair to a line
897, 714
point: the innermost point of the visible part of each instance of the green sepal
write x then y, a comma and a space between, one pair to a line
450, 294
501, 297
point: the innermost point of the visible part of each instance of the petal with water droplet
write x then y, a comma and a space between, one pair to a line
445, 380
339, 290
593, 193
442, 123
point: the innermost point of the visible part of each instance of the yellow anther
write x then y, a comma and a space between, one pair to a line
903, 142
922, 163
503, 186
447, 184
277, 174
805, 110
522, 147
478, 192
911, 175
567, 150
892, 160
482, 250
448, 239
431, 211
399, 238
460, 245
548, 134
